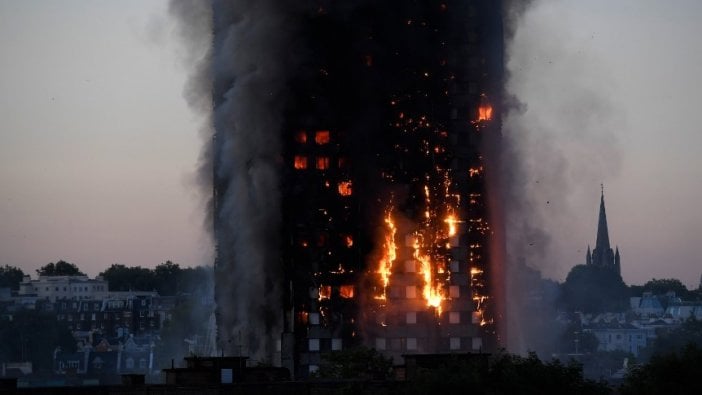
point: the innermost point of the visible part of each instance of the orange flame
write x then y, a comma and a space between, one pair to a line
321, 137
322, 162
432, 293
325, 292
451, 221
301, 137
300, 162
389, 254
346, 291
485, 112
344, 188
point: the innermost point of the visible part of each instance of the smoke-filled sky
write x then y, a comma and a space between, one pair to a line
98, 150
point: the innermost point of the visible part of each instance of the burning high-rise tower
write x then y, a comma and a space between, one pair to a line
352, 157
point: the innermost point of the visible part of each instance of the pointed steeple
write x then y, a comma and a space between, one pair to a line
588, 256
602, 241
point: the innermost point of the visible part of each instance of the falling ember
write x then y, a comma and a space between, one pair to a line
389, 254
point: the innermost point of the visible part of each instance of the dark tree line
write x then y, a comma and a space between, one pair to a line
503, 374
167, 279
10, 277
60, 268
669, 373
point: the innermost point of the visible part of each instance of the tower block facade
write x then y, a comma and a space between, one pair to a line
386, 236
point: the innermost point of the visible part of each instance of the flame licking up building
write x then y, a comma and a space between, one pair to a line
389, 254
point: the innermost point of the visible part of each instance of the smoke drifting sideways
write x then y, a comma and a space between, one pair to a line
559, 144
238, 83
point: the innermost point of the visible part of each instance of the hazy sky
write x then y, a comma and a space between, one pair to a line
98, 149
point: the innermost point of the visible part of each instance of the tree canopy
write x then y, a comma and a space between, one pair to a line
690, 332
593, 289
665, 285
355, 363
506, 374
167, 279
60, 268
671, 373
10, 277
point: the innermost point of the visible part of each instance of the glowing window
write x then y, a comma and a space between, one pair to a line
346, 291
454, 291
411, 317
300, 162
321, 137
345, 188
348, 241
454, 317
485, 112
324, 292
410, 292
322, 162
301, 137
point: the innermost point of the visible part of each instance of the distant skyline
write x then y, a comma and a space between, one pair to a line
98, 149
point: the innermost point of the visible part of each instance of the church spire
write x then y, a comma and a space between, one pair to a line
588, 256
602, 241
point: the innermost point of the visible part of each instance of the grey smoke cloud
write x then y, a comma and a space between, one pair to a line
239, 84
559, 144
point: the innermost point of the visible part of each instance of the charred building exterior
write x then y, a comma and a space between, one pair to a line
386, 234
